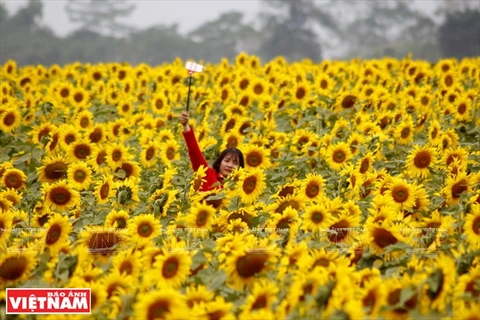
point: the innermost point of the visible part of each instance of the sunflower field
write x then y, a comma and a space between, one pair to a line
360, 196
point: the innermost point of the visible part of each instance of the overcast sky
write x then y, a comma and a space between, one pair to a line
188, 14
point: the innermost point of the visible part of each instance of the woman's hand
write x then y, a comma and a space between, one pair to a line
184, 121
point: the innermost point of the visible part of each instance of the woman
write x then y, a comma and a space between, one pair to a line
226, 162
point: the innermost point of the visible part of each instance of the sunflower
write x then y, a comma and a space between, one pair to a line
312, 186
381, 236
128, 170
439, 284
80, 150
402, 193
57, 231
68, 134
420, 161
97, 133
202, 216
404, 132
12, 195
6, 223
341, 229
158, 304
16, 266
169, 152
451, 154
263, 296
79, 175
471, 228
79, 98
338, 155
373, 296
64, 91
149, 154
256, 157
198, 294
143, 229
173, 268
5, 204
60, 196
116, 154
316, 217
232, 140
128, 262
216, 309
306, 286
105, 189
117, 219
10, 119
252, 183
14, 179
455, 186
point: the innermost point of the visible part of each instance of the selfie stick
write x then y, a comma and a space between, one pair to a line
192, 67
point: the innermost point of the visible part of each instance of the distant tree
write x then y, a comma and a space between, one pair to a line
101, 16
225, 37
289, 29
459, 35
394, 28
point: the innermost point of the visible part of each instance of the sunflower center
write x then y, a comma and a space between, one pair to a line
254, 159
284, 205
448, 81
60, 195
121, 223
170, 268
324, 84
286, 191
260, 302
145, 230
312, 189
250, 264
339, 156
348, 102
82, 151
244, 84
249, 184
9, 119
13, 180
13, 268
476, 225
78, 97
365, 165
104, 191
383, 238
300, 93
126, 267
458, 188
53, 234
339, 234
258, 89
80, 176
116, 155
369, 299
84, 122
232, 142
64, 93
405, 133
400, 194
317, 217
422, 159
202, 217
96, 135
170, 153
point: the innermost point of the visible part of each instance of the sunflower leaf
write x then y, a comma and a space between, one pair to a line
218, 280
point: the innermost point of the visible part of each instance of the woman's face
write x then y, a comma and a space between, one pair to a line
228, 164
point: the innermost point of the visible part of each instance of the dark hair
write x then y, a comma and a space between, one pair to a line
235, 152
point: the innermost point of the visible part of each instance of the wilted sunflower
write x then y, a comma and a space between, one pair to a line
143, 228
60, 196
420, 161
14, 179
171, 269
338, 155
10, 119
158, 304
57, 231
256, 157
16, 265
79, 175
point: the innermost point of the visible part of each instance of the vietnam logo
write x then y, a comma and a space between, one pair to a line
48, 301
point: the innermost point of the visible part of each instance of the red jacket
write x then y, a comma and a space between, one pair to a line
197, 159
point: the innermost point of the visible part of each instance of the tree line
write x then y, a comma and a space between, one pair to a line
294, 29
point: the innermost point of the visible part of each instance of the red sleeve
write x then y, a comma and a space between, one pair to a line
194, 152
